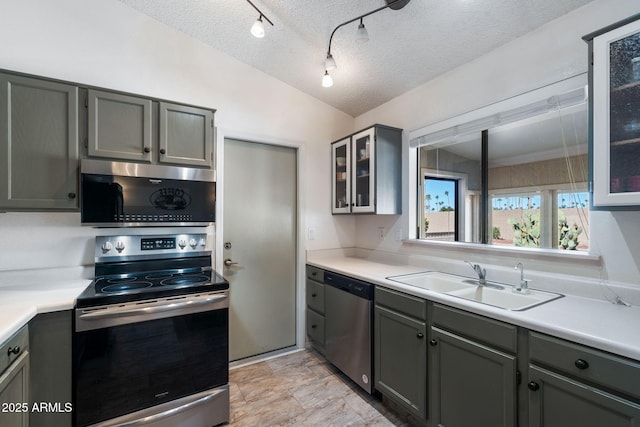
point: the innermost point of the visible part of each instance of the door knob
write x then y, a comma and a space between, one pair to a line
228, 262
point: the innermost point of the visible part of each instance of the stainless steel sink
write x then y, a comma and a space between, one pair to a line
494, 294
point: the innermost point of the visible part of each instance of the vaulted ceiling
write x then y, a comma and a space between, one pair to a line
406, 47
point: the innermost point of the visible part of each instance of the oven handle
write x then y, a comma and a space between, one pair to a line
164, 414
126, 311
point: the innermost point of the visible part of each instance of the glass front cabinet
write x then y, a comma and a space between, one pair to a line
615, 106
366, 170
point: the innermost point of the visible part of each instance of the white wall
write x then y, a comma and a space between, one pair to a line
106, 44
549, 54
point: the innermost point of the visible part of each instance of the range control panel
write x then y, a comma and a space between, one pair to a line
124, 247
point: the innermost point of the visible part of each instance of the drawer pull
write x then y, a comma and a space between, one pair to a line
313, 326
581, 364
13, 350
313, 273
533, 386
420, 335
313, 295
433, 343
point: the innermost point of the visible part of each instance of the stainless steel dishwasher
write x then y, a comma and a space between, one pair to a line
348, 327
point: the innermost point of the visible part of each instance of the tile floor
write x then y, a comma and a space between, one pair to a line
302, 389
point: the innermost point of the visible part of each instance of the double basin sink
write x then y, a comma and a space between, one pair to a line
492, 293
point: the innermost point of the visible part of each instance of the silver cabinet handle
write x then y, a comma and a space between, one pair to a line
116, 312
228, 262
161, 415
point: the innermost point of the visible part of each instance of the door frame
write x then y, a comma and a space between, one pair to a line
220, 135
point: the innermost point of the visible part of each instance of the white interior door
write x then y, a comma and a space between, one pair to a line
259, 235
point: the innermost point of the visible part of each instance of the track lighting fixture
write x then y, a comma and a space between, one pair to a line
361, 36
257, 29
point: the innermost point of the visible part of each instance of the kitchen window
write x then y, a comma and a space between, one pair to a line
512, 174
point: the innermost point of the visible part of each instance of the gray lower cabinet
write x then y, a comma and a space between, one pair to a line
38, 144
14, 380
133, 128
51, 359
473, 370
570, 384
400, 349
315, 308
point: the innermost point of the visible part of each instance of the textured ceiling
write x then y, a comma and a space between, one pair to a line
406, 47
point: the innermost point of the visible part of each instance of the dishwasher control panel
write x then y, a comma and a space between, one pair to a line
349, 284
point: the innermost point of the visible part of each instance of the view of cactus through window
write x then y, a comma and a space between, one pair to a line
521, 183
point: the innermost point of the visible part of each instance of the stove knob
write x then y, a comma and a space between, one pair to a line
193, 243
203, 243
120, 246
106, 247
182, 244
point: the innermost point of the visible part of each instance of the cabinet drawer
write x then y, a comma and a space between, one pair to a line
315, 273
18, 343
402, 303
315, 296
489, 331
315, 327
613, 372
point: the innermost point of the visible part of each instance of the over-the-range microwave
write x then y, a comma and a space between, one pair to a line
118, 194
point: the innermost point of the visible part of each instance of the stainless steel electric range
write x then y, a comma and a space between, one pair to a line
151, 335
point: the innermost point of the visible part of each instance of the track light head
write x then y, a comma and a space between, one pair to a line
327, 81
362, 35
329, 63
257, 29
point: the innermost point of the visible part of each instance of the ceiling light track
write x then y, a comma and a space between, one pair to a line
361, 36
258, 27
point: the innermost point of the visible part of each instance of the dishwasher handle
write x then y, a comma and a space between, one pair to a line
348, 284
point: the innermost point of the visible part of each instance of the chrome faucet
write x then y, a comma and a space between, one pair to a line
523, 286
481, 272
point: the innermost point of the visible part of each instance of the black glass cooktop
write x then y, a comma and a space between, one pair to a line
119, 288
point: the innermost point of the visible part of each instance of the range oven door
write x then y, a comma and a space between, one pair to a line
130, 358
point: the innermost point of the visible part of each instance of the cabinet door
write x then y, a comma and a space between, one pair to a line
557, 401
185, 135
363, 172
14, 393
401, 360
38, 144
473, 385
50, 359
120, 126
341, 172
616, 123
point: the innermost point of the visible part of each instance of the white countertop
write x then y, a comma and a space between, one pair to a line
596, 323
23, 294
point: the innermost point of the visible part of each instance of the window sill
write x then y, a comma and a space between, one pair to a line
541, 254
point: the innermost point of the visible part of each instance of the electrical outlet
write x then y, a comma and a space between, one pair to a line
398, 234
381, 233
311, 233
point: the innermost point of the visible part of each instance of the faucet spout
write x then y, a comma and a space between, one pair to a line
523, 286
481, 272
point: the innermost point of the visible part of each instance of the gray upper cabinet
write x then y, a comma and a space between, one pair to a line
125, 127
186, 135
614, 102
119, 126
38, 144
367, 172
